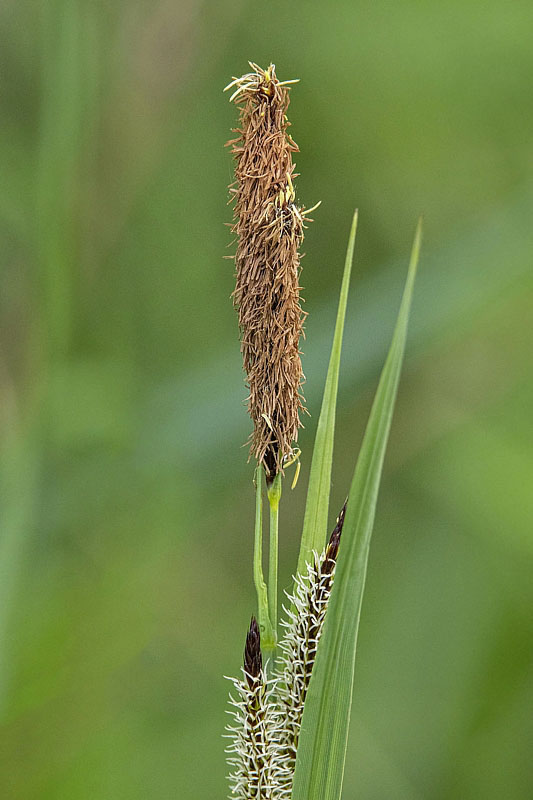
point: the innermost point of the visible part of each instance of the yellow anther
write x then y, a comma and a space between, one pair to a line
296, 475
268, 422
309, 210
290, 194
290, 460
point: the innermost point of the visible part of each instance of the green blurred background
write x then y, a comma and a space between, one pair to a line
127, 502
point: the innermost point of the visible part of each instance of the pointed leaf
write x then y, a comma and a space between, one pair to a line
324, 733
316, 510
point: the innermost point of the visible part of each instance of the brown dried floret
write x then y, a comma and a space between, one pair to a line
269, 225
253, 663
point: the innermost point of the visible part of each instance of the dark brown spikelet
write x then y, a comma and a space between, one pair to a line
332, 550
253, 662
269, 225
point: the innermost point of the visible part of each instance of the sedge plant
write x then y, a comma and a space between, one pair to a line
291, 704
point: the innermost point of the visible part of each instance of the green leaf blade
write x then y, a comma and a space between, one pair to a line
324, 734
317, 505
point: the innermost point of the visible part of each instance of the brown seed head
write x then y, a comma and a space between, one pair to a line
269, 226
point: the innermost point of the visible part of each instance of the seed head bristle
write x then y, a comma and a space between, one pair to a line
269, 225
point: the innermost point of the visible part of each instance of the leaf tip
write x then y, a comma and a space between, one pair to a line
418, 239
415, 252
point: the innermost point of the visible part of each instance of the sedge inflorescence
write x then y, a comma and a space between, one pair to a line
304, 622
269, 225
268, 713
256, 754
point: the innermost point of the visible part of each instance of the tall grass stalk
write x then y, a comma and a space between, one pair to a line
290, 726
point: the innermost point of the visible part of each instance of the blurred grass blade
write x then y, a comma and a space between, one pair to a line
316, 510
324, 733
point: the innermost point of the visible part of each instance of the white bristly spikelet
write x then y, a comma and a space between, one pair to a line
267, 714
255, 754
305, 614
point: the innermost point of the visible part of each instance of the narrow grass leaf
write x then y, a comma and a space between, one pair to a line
315, 526
324, 733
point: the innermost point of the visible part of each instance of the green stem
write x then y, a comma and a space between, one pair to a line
268, 639
273, 567
274, 495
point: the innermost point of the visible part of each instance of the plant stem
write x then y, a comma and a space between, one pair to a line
274, 495
268, 638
